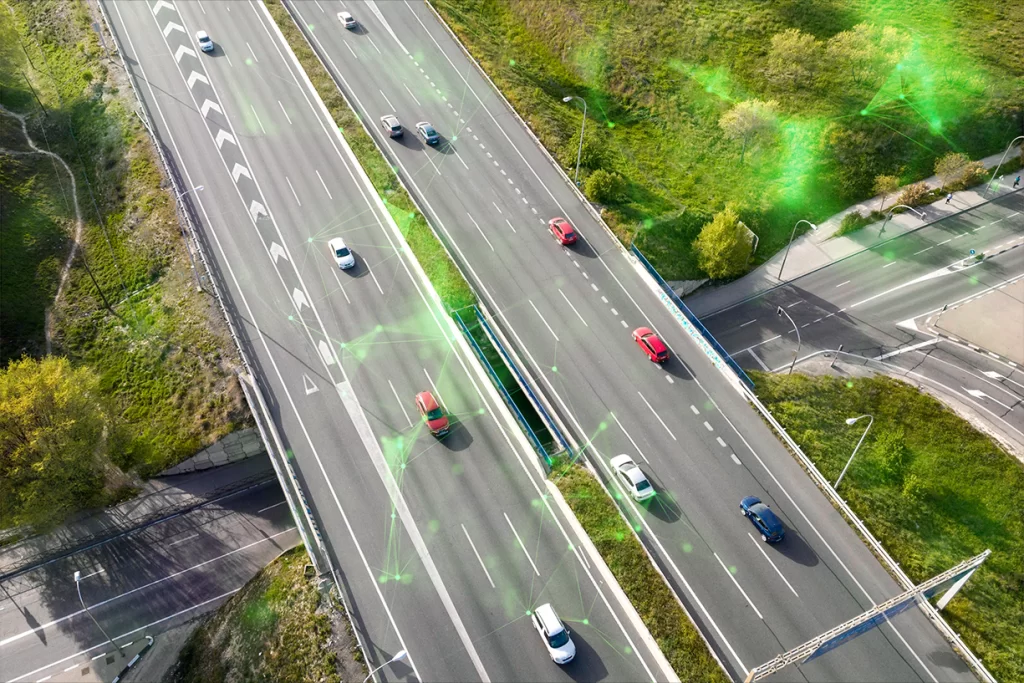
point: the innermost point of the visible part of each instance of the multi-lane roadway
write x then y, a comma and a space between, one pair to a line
489, 190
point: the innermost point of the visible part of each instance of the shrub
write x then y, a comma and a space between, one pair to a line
972, 174
852, 222
950, 168
723, 246
604, 187
915, 194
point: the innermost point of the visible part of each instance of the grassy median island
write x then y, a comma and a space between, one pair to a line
853, 90
932, 489
676, 635
278, 627
442, 272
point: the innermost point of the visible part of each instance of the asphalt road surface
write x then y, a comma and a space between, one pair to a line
140, 584
443, 547
490, 190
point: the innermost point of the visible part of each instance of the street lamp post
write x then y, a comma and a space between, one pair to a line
398, 656
197, 188
78, 585
888, 216
851, 421
782, 311
1001, 160
567, 99
791, 236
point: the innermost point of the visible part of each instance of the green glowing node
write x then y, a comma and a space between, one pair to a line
586, 622
849, 385
398, 577
291, 317
403, 466
619, 535
628, 650
511, 62
392, 515
707, 88
379, 328
382, 579
529, 612
434, 525
554, 368
936, 124
480, 412
611, 124
412, 214
248, 62
732, 569
603, 426
687, 547
637, 528
457, 469
902, 96
343, 344
618, 496
863, 112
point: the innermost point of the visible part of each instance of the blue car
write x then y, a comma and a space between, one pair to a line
763, 519
428, 133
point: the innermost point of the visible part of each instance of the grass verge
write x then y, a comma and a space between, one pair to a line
931, 488
442, 272
676, 635
278, 627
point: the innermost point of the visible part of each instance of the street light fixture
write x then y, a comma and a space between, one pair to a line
197, 188
851, 421
567, 99
791, 236
888, 216
78, 585
782, 311
1001, 160
401, 654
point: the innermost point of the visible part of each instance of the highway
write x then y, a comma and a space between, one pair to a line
568, 312
877, 303
442, 547
139, 584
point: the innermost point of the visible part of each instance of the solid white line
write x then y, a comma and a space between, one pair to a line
318, 5
913, 347
657, 416
630, 439
351, 50
573, 307
842, 283
271, 507
283, 111
764, 366
521, 544
187, 538
324, 184
459, 157
377, 49
408, 91
478, 558
434, 387
251, 52
293, 190
740, 588
340, 286
543, 321
400, 404
510, 225
480, 231
749, 322
759, 547
390, 106
258, 119
374, 276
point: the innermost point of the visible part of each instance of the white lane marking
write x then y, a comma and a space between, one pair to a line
374, 276
433, 386
73, 666
740, 588
19, 636
623, 322
694, 409
401, 404
324, 184
459, 157
941, 243
721, 442
509, 225
923, 250
411, 95
594, 287
604, 299
521, 544
963, 234
251, 52
258, 119
978, 393
101, 570
543, 321
186, 538
478, 558
842, 283
657, 416
377, 49
340, 286
749, 322
351, 50
271, 507
287, 180
735, 459
495, 205
890, 263
573, 307
585, 275
761, 548
198, 2
390, 106
480, 231
764, 366
708, 426
615, 312
230, 63
795, 303
283, 111
630, 439
317, 3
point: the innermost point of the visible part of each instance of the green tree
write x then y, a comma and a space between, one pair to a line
603, 186
793, 58
885, 185
723, 246
867, 51
750, 120
52, 433
950, 167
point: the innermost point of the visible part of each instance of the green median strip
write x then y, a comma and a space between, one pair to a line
671, 627
442, 272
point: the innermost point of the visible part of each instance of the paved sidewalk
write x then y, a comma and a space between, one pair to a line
818, 248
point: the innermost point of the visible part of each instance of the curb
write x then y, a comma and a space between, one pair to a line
135, 660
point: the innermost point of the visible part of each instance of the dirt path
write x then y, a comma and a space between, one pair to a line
78, 216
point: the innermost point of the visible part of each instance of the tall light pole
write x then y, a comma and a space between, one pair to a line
567, 99
791, 236
851, 421
78, 585
398, 656
782, 311
888, 216
1001, 160
197, 188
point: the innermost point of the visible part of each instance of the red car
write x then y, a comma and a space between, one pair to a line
562, 231
437, 421
651, 344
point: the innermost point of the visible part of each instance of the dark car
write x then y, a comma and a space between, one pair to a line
763, 519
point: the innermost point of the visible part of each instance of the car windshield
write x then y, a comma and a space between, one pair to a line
434, 414
342, 252
559, 639
430, 132
643, 485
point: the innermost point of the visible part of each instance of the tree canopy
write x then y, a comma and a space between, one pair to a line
723, 246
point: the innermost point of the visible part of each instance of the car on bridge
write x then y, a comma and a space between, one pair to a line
432, 414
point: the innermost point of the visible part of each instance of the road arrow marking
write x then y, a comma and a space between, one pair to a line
183, 50
299, 297
996, 376
239, 171
161, 4
277, 251
981, 394
208, 105
325, 352
255, 209
196, 76
308, 385
223, 135
171, 26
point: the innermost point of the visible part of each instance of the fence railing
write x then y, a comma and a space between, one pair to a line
693, 320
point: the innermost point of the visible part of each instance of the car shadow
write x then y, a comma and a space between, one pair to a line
794, 547
587, 664
663, 505
459, 438
675, 367
359, 270
582, 248
409, 140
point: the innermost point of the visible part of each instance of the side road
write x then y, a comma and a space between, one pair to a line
818, 248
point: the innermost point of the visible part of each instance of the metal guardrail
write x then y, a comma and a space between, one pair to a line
537, 446
692, 318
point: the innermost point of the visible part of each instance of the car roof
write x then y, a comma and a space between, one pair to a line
655, 342
336, 242
390, 118
548, 618
202, 34
428, 400
767, 516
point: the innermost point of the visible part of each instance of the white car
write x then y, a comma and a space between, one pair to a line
347, 20
554, 634
632, 477
342, 254
391, 126
203, 38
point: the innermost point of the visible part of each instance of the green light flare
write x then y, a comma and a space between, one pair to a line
687, 547
732, 569
800, 146
511, 62
554, 368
